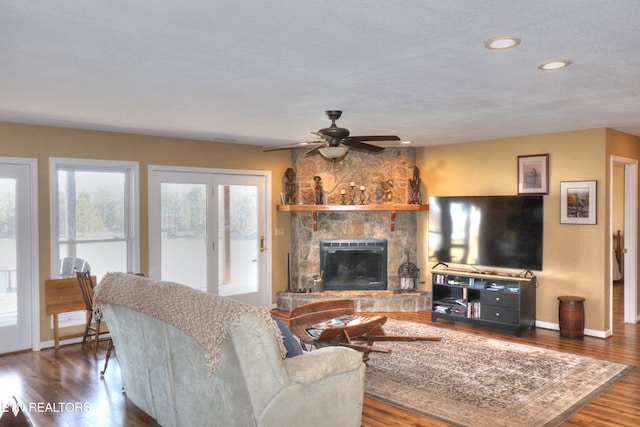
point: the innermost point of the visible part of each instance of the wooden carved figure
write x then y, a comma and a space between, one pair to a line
290, 186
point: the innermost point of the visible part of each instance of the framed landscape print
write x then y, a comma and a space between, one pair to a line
578, 203
533, 174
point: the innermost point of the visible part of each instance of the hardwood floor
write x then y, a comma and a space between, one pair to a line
64, 386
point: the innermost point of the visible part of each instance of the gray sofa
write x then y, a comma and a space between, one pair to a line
190, 358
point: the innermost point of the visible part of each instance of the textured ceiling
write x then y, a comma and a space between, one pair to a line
263, 73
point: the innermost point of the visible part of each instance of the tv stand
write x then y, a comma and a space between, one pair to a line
492, 300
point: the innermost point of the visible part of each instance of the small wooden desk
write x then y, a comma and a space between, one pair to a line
62, 296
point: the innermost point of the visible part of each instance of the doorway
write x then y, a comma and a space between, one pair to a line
208, 230
623, 180
19, 302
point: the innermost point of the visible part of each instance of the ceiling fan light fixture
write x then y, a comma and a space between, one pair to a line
502, 42
334, 152
557, 64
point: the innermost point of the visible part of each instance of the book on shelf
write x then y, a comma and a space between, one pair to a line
455, 301
443, 309
473, 310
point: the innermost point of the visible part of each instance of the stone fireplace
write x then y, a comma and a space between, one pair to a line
390, 169
367, 170
353, 264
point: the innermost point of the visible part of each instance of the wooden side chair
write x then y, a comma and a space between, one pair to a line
92, 329
110, 348
106, 359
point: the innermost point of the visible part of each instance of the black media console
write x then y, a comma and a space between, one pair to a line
506, 302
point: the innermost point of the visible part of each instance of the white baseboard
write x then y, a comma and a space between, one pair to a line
588, 332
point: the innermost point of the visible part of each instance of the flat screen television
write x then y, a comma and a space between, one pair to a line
489, 231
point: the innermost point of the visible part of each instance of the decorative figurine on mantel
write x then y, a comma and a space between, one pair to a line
416, 197
387, 191
379, 193
290, 187
318, 190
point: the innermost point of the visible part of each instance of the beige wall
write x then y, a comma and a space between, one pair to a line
42, 142
575, 260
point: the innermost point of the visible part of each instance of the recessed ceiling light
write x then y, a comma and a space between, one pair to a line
554, 65
502, 42
406, 142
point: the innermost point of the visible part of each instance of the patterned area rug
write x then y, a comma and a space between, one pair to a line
469, 380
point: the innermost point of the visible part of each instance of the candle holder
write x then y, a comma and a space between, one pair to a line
362, 197
352, 193
343, 197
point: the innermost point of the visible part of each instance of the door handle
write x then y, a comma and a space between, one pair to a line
262, 247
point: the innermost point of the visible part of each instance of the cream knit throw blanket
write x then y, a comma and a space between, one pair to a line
201, 315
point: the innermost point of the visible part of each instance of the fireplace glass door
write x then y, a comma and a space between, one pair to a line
354, 264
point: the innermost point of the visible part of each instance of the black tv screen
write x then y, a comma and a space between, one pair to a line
491, 231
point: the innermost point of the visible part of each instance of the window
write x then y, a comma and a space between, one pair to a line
94, 216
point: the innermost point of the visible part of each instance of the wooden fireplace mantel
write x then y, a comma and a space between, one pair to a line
392, 208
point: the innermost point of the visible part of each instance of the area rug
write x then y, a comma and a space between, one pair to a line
470, 380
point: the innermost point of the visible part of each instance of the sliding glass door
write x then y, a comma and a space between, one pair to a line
18, 263
207, 229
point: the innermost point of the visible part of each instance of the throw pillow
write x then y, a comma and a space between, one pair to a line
290, 342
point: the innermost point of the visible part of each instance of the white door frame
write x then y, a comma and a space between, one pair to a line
630, 249
31, 251
154, 243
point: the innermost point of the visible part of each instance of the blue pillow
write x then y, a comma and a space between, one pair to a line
290, 342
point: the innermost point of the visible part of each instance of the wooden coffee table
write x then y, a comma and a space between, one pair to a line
319, 324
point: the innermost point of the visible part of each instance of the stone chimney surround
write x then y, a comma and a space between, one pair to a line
368, 170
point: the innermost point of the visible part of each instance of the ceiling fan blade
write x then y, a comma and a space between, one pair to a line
375, 138
290, 146
316, 150
351, 142
322, 137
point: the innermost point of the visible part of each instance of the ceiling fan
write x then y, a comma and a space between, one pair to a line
335, 141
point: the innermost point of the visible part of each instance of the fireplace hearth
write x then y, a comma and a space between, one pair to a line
353, 264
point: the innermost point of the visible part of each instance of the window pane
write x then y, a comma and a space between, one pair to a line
102, 257
184, 232
238, 239
8, 249
91, 205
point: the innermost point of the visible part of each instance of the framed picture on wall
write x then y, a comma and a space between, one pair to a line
578, 202
533, 174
